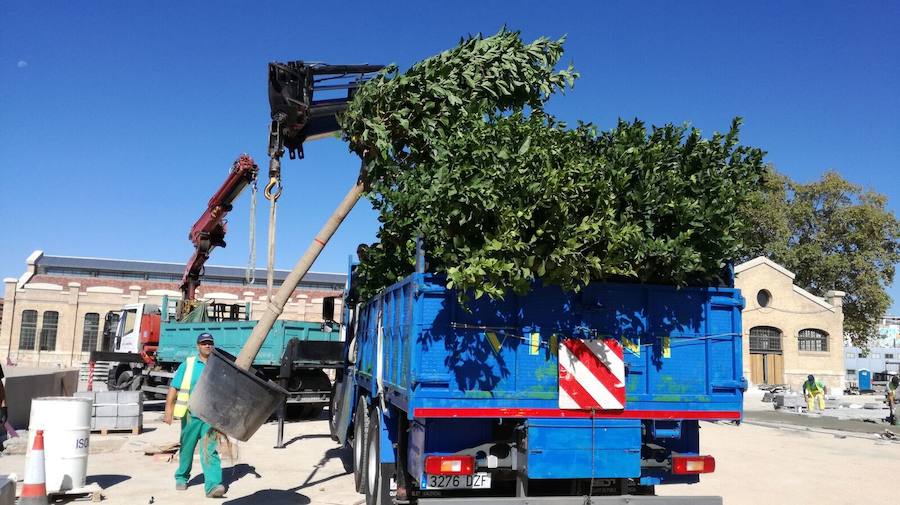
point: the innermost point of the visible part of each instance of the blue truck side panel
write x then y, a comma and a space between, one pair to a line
685, 351
682, 356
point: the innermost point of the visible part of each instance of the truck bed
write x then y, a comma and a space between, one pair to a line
682, 349
177, 341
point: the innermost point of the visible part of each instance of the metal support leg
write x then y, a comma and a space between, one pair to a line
279, 444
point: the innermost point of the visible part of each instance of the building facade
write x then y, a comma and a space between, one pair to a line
53, 314
789, 333
879, 360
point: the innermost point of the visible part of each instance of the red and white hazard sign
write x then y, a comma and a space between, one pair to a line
591, 375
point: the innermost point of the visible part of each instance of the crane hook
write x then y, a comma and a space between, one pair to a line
273, 189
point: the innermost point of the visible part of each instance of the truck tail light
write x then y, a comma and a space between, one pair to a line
450, 465
690, 465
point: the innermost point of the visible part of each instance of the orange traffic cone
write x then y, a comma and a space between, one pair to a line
34, 489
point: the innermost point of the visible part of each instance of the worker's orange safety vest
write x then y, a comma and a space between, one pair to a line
184, 393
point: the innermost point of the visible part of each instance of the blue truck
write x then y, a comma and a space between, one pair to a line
551, 397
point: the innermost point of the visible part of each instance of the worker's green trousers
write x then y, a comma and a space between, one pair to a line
194, 431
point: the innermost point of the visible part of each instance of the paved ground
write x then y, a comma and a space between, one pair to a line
788, 463
763, 465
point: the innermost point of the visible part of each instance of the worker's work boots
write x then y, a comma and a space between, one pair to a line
180, 486
216, 492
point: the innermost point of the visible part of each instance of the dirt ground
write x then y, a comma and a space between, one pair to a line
755, 465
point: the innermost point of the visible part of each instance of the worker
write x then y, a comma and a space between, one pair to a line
814, 390
892, 388
194, 430
4, 413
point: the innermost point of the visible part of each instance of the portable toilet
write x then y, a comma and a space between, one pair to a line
865, 380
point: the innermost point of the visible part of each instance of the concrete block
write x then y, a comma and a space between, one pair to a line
105, 423
86, 394
130, 397
128, 423
106, 411
107, 397
129, 410
21, 389
93, 423
7, 490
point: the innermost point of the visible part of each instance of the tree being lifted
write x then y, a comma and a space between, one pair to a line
460, 150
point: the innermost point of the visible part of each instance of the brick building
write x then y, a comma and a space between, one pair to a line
52, 315
788, 331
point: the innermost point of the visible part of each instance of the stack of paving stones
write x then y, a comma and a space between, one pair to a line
788, 400
115, 410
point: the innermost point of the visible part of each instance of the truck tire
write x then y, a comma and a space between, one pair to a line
332, 413
360, 434
378, 474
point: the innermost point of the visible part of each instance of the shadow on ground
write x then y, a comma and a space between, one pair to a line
230, 475
238, 472
106, 481
305, 437
271, 497
346, 457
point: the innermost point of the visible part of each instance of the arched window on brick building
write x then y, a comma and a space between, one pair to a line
812, 339
91, 330
28, 330
48, 330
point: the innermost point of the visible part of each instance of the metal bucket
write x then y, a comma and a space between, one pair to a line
234, 401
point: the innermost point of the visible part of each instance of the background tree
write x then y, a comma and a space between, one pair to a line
834, 235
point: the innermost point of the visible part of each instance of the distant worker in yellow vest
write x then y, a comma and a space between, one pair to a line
814, 390
893, 389
193, 430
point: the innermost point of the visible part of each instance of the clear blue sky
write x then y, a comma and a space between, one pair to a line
119, 119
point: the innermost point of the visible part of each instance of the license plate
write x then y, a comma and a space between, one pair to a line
478, 481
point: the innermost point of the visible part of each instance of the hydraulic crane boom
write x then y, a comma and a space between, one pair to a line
209, 231
296, 118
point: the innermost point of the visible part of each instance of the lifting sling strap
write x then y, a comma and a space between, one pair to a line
184, 392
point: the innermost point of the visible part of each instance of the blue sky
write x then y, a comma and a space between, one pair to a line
118, 120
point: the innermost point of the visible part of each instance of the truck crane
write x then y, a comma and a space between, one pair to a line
148, 340
209, 230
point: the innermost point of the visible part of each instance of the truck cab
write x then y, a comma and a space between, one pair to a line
137, 328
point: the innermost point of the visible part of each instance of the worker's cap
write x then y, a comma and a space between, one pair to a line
205, 337
810, 376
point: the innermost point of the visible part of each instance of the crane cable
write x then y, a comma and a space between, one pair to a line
272, 193
270, 268
250, 275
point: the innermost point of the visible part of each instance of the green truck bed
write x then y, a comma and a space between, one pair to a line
321, 347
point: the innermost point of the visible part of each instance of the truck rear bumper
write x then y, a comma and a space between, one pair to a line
578, 500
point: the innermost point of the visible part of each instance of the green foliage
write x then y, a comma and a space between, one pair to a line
833, 235
460, 150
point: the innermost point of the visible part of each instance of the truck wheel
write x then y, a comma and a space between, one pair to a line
332, 413
124, 380
378, 474
360, 431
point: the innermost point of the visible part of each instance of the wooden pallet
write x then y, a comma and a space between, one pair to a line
106, 431
92, 492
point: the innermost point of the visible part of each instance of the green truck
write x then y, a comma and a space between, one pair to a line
145, 348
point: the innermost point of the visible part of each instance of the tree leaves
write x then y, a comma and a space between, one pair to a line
460, 150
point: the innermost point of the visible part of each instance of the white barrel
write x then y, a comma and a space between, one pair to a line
67, 430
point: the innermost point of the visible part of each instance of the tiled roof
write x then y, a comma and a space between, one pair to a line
157, 267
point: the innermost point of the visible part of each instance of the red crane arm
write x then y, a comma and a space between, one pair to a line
209, 231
